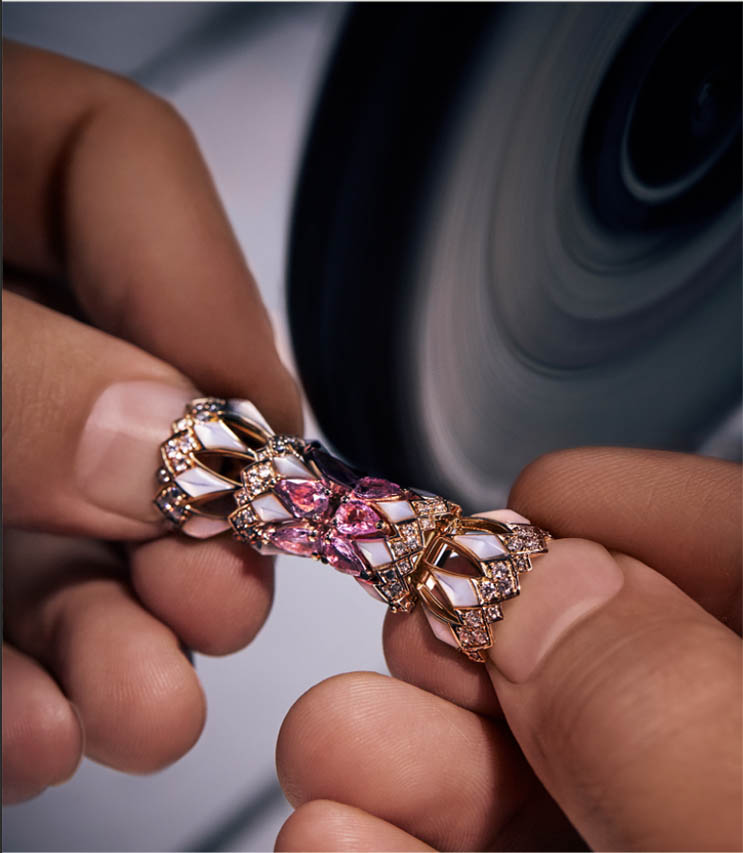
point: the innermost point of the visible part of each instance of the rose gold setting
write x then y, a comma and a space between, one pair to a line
224, 468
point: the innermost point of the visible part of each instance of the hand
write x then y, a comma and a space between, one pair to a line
608, 715
110, 215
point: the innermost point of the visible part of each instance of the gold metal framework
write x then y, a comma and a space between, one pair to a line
224, 468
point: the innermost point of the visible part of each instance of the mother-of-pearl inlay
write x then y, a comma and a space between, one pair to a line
198, 481
270, 508
375, 551
485, 545
396, 511
290, 467
458, 589
214, 435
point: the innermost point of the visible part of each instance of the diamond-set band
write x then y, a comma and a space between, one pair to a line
225, 469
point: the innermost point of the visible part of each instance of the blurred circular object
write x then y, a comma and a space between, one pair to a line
517, 229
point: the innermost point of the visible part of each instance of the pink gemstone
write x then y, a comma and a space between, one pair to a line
342, 556
355, 518
374, 489
305, 498
294, 539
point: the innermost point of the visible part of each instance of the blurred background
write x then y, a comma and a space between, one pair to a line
484, 231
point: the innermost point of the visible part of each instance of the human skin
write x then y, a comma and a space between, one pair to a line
608, 715
125, 294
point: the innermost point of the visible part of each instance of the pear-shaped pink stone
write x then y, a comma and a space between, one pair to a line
294, 539
355, 518
304, 498
342, 556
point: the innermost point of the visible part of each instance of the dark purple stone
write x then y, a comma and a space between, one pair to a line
374, 489
331, 467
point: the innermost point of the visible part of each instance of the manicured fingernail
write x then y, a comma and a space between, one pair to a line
118, 452
574, 579
504, 515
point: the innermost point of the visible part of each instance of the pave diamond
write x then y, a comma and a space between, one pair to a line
399, 548
473, 637
411, 535
505, 580
404, 566
177, 451
243, 522
258, 477
208, 408
390, 585
170, 501
526, 537
492, 613
472, 618
487, 589
521, 562
242, 497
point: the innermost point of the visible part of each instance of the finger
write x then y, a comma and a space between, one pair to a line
383, 746
159, 267
676, 512
415, 655
84, 415
42, 735
224, 590
140, 702
625, 697
325, 825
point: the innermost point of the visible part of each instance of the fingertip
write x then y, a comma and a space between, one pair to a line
415, 655
158, 711
215, 594
325, 825
42, 733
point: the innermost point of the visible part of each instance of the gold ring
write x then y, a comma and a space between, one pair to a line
225, 468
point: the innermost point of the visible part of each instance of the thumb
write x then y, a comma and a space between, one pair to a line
625, 696
83, 417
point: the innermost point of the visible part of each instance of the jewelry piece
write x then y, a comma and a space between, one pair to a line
224, 468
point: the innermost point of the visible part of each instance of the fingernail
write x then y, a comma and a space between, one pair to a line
574, 579
507, 515
118, 453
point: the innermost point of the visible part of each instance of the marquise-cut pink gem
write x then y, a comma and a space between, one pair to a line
304, 498
374, 489
294, 539
342, 556
355, 518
